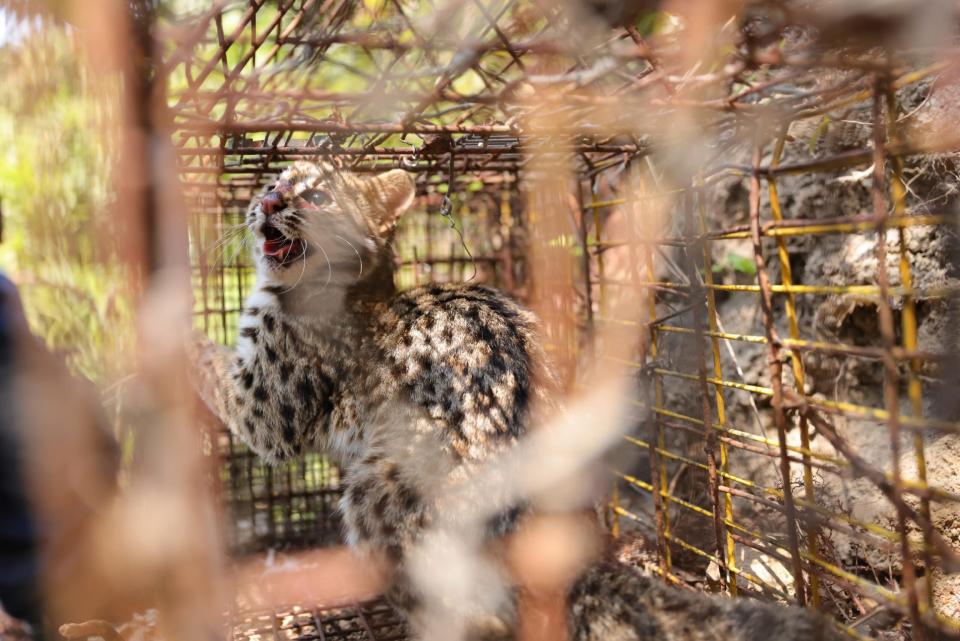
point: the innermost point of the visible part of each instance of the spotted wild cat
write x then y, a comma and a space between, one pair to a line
409, 392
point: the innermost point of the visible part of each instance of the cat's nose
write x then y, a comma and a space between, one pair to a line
271, 203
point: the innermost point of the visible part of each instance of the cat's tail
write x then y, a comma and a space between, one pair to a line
613, 602
557, 470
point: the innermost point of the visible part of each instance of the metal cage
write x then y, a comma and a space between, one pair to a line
742, 448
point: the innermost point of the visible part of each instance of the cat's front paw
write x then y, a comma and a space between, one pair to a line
198, 347
207, 367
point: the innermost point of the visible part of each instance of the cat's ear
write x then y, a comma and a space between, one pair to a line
392, 194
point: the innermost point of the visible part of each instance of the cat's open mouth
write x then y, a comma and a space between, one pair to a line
281, 250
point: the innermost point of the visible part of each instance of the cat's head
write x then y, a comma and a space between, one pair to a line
316, 223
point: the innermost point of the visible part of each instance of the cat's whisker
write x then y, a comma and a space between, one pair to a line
329, 268
237, 228
223, 243
315, 240
231, 230
303, 270
355, 251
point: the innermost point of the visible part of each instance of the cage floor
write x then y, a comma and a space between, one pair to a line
371, 621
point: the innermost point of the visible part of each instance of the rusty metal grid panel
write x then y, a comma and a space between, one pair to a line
374, 621
750, 427
765, 470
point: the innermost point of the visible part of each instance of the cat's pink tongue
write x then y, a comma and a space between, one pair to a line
277, 248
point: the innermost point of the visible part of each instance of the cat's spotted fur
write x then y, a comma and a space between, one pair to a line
407, 391
613, 603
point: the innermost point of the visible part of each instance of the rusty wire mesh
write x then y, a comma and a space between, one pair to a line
367, 622
730, 491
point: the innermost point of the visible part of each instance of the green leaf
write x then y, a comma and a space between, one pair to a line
652, 23
741, 265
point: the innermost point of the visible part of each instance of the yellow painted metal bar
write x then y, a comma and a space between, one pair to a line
830, 290
908, 78
882, 594
877, 530
842, 407
714, 325
599, 204
783, 552
598, 234
840, 227
615, 517
744, 387
760, 536
598, 231
786, 275
700, 466
658, 401
852, 227
908, 326
796, 229
920, 487
797, 343
692, 548
912, 422
753, 437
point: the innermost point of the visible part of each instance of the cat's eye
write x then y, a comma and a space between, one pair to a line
316, 197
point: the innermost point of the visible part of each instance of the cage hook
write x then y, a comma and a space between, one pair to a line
446, 210
410, 162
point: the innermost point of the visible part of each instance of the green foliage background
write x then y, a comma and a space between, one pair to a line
55, 162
